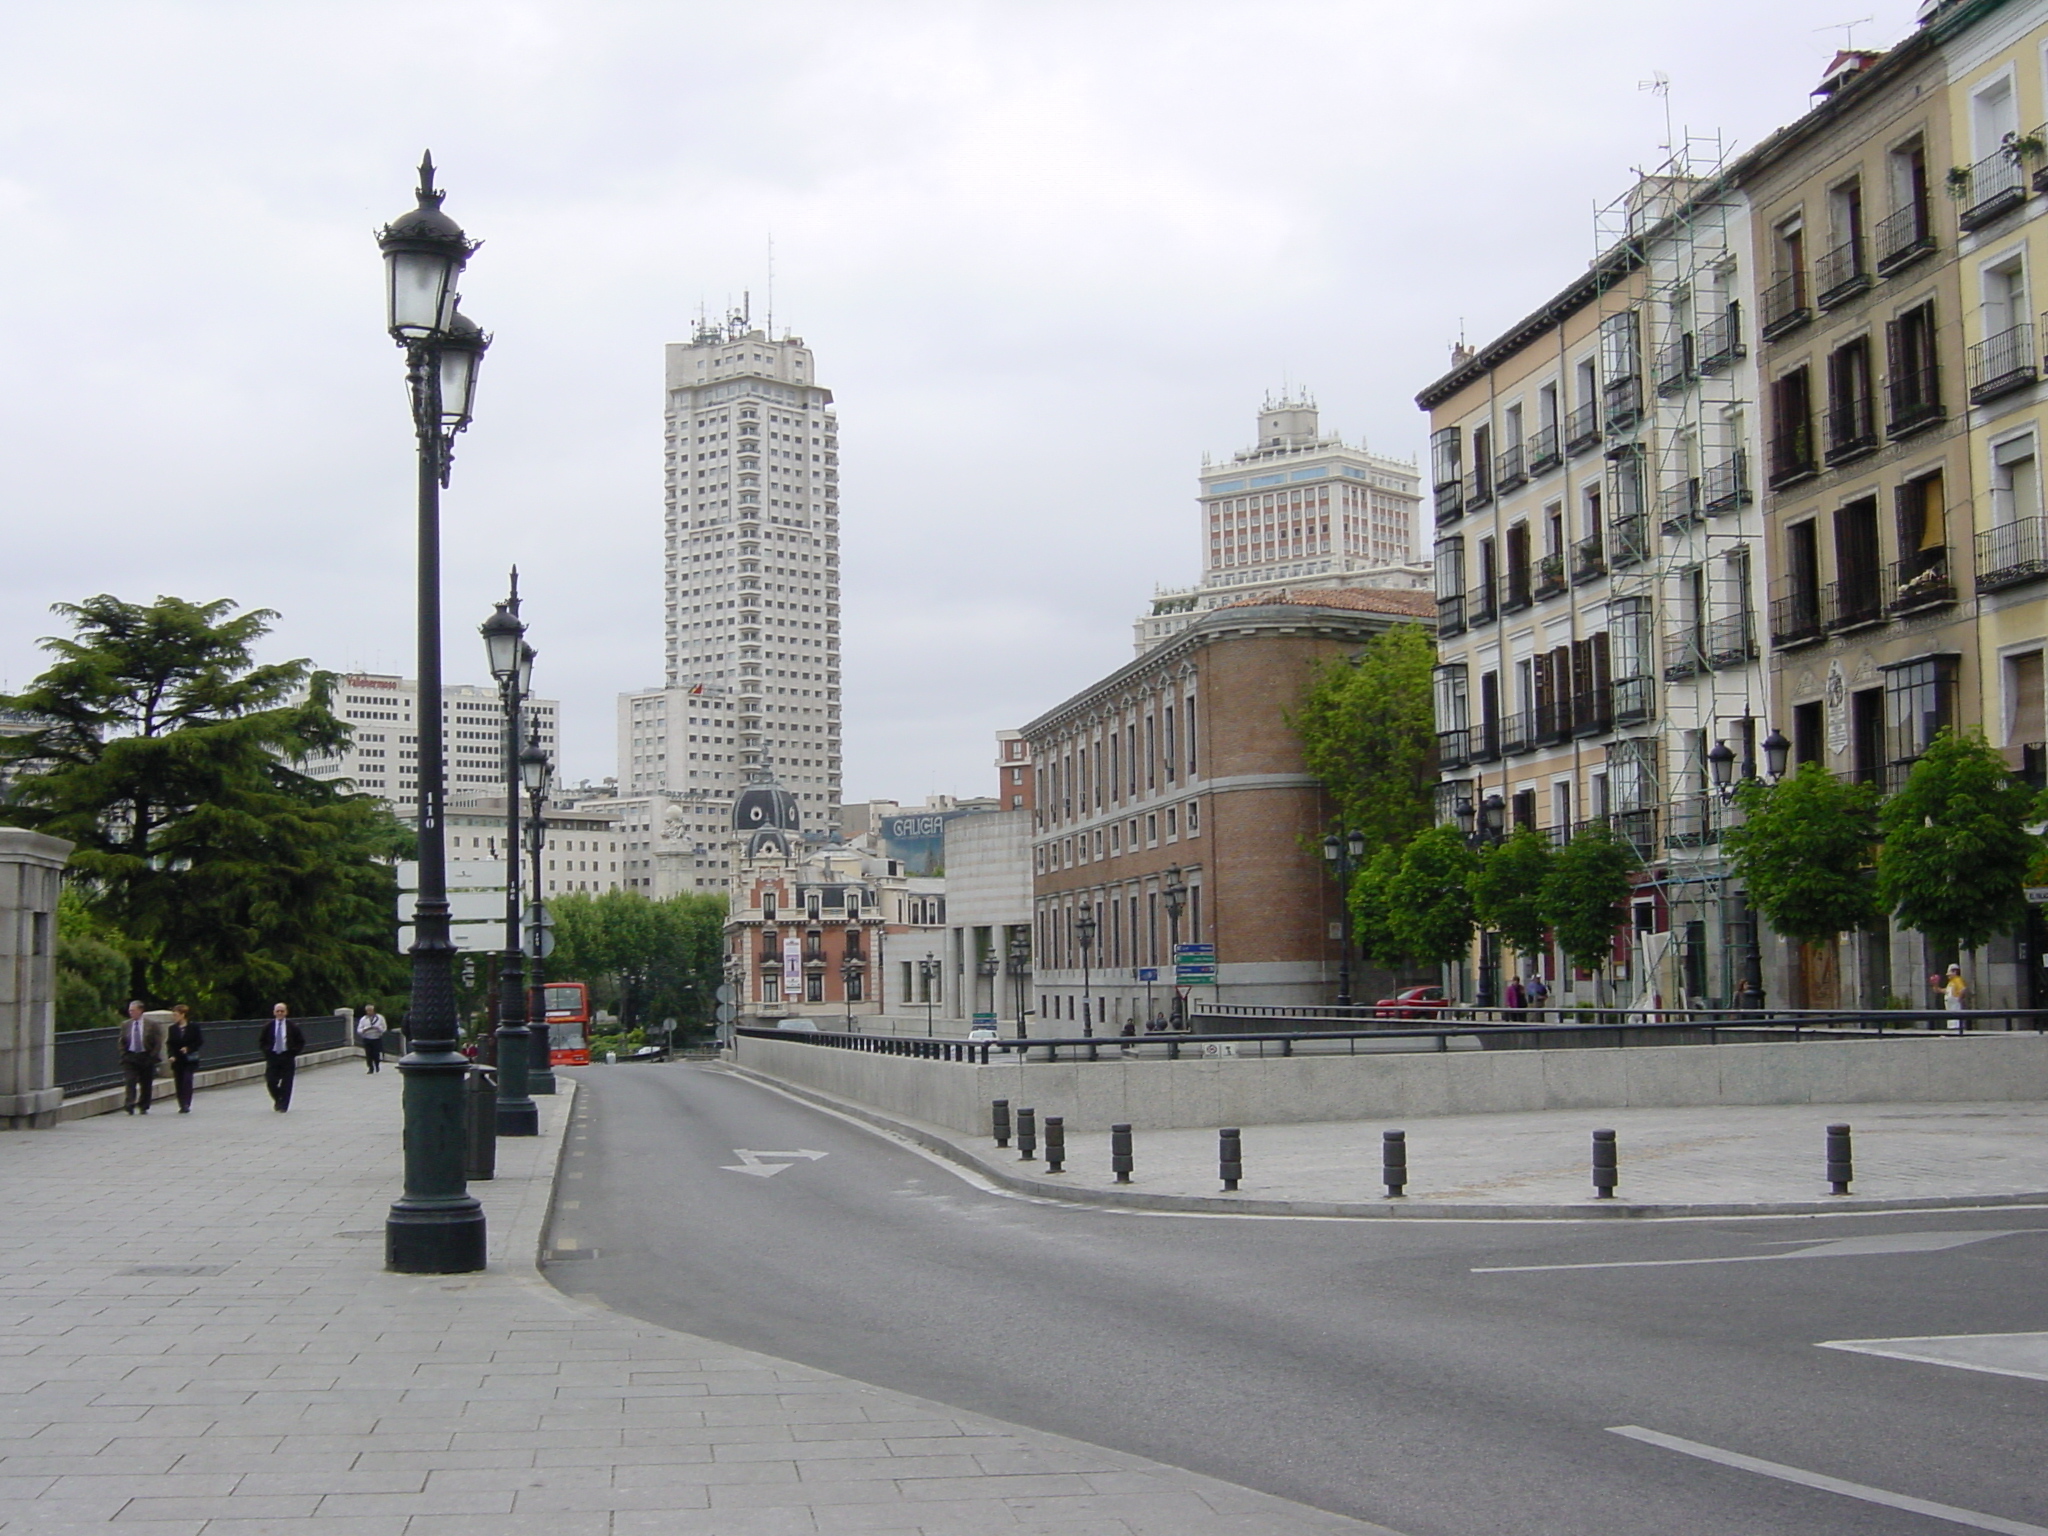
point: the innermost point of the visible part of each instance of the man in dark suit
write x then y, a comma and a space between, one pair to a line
142, 1047
282, 1042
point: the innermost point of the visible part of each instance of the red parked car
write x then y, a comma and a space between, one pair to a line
1414, 1003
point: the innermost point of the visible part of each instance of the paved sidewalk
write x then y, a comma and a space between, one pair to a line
1724, 1160
199, 1336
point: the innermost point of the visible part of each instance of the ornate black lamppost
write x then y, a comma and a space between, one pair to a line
988, 967
512, 665
536, 772
1084, 935
927, 974
1176, 894
436, 1227
849, 983
1344, 854
1020, 967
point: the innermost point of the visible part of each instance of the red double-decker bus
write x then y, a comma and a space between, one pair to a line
568, 1010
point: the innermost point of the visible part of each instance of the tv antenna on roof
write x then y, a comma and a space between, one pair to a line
1659, 84
1848, 30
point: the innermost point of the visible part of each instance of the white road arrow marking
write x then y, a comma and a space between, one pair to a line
1838, 1248
751, 1162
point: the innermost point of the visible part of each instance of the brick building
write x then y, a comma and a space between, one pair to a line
1180, 773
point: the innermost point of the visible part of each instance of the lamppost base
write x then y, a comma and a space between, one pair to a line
435, 1237
540, 1073
518, 1117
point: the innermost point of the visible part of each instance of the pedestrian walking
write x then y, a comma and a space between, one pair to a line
282, 1042
1513, 1000
370, 1030
1539, 994
142, 1047
1953, 990
183, 1042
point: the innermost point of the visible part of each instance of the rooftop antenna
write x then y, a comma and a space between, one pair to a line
771, 285
1659, 84
1848, 30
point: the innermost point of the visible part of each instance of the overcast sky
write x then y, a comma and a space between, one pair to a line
1048, 255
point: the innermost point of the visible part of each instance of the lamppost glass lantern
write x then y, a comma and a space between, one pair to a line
461, 353
1354, 844
534, 772
1464, 814
503, 637
1333, 848
1493, 815
1721, 763
1777, 753
526, 659
424, 253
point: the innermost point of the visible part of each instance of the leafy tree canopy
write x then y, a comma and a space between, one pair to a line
1507, 890
1957, 844
1371, 899
1805, 850
1583, 892
1368, 732
1428, 902
168, 758
655, 959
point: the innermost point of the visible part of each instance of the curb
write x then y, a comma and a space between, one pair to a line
1386, 1210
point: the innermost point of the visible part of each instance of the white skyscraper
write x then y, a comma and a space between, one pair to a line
751, 581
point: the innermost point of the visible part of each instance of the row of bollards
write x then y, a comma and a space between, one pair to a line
1393, 1153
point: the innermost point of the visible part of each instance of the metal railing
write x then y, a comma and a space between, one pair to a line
1993, 186
1478, 489
1679, 505
1481, 605
1921, 581
1685, 651
1550, 576
2011, 554
1622, 401
1784, 306
1450, 503
1543, 450
1725, 486
1902, 236
1731, 641
1589, 559
2003, 362
1454, 747
1913, 399
1795, 616
1720, 340
1634, 699
1673, 364
1856, 599
1840, 273
1631, 541
1852, 427
1508, 471
1582, 428
90, 1059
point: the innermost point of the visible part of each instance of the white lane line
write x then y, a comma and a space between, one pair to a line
1961, 1352
1837, 1248
1826, 1484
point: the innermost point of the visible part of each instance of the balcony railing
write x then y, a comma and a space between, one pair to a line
1720, 341
1792, 456
1543, 451
1589, 560
2011, 554
1913, 398
1637, 828
1486, 741
1515, 732
1679, 505
1478, 489
1582, 428
1450, 502
1508, 470
1553, 722
1480, 606
1840, 274
1592, 713
1623, 403
1785, 307
1635, 700
1795, 617
1631, 541
1857, 599
1515, 596
1903, 238
1674, 365
1450, 615
1550, 576
1685, 652
1725, 486
1731, 641
1919, 582
1852, 428
2003, 362
1454, 748
1993, 186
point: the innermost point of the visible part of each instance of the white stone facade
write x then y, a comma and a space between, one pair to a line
382, 758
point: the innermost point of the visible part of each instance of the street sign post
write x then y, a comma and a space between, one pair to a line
1194, 965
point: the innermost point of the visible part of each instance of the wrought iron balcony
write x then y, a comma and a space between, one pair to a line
1481, 606
1852, 428
1674, 365
1450, 615
2004, 362
2011, 554
1550, 576
1543, 451
1589, 560
1731, 642
1637, 828
1913, 398
1792, 455
1854, 601
1785, 306
1623, 403
1840, 274
1684, 652
1720, 341
1993, 186
1921, 581
1553, 722
1903, 238
1516, 732
1478, 489
1486, 741
1725, 486
1592, 713
1508, 470
1635, 700
1795, 616
1692, 822
1516, 597
1582, 428
1679, 505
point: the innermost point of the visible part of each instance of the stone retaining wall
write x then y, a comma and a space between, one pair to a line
1152, 1093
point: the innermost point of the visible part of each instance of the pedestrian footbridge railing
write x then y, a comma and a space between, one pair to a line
89, 1060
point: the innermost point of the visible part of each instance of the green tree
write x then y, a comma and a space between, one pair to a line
168, 758
1956, 844
92, 971
1371, 898
1583, 892
650, 959
1507, 890
1429, 901
1804, 850
1368, 732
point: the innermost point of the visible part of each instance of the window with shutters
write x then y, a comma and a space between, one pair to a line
1852, 411
1792, 446
1913, 388
1856, 590
1922, 576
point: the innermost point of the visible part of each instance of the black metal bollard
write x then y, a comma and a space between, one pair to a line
1120, 1153
1055, 1143
1606, 1165
1841, 1161
999, 1116
1027, 1135
1230, 1157
1394, 1163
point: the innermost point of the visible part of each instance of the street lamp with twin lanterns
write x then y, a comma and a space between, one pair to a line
436, 1227
988, 967
1020, 967
1344, 855
1492, 816
1084, 935
927, 975
512, 665
537, 773
1176, 893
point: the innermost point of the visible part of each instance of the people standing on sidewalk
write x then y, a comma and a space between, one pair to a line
1953, 991
142, 1047
1539, 994
183, 1042
1513, 1000
282, 1042
370, 1030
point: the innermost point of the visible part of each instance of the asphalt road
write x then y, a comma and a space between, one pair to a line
1357, 1366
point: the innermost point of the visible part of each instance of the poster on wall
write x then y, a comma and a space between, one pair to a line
792, 969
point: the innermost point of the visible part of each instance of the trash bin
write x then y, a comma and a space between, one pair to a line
480, 1124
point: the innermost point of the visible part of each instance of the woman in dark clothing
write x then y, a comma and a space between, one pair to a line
181, 1044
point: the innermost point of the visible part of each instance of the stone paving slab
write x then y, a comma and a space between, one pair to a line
1712, 1161
197, 1336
